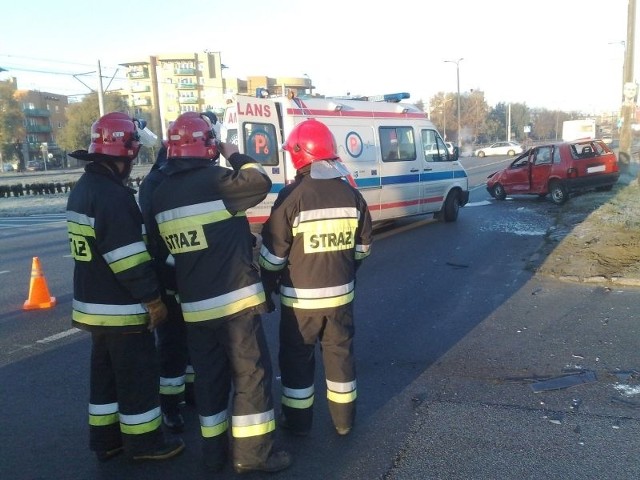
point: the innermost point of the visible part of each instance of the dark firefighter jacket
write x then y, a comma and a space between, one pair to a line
159, 252
200, 212
316, 236
113, 273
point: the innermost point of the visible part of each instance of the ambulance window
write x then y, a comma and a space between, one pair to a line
397, 144
434, 148
260, 142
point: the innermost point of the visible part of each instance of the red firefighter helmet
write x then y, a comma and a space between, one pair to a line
115, 135
310, 141
192, 136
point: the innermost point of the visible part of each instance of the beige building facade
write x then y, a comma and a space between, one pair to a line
161, 87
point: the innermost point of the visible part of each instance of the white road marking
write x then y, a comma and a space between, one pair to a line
60, 335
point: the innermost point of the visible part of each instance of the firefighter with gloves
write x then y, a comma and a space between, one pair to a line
171, 335
200, 212
116, 297
318, 233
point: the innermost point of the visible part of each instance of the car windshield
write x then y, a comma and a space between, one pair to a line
523, 159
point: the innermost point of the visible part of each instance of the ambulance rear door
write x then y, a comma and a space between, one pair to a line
254, 124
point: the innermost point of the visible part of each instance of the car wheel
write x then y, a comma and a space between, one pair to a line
558, 193
511, 153
498, 192
481, 154
451, 207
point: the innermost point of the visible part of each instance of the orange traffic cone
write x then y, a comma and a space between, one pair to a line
38, 292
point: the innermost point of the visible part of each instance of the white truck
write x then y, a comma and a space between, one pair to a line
578, 129
395, 155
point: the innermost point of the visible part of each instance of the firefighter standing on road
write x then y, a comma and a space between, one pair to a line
200, 212
116, 297
171, 335
317, 234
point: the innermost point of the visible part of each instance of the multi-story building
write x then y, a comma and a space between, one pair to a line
45, 116
161, 87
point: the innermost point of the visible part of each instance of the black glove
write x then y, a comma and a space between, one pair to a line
271, 285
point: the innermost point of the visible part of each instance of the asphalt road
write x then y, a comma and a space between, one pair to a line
452, 330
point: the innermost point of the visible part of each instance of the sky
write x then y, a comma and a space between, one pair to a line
555, 54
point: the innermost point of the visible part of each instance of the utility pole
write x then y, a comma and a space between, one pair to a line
100, 91
629, 91
457, 62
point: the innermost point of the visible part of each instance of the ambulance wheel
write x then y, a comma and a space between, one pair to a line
451, 207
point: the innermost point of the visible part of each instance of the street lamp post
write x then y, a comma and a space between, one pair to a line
457, 62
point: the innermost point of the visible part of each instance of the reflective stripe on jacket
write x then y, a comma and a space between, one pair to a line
317, 233
112, 267
200, 212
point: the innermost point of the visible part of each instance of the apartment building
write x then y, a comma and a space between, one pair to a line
45, 116
163, 86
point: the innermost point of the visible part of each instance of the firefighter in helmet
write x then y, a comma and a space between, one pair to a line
116, 297
200, 212
318, 233
171, 335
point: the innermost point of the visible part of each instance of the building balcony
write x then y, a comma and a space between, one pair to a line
141, 102
140, 88
184, 71
38, 128
186, 86
36, 112
138, 74
188, 99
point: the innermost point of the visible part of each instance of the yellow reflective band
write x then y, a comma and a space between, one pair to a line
270, 261
253, 430
82, 230
130, 262
189, 221
224, 310
313, 303
171, 389
215, 430
297, 403
342, 397
141, 428
256, 166
103, 420
109, 320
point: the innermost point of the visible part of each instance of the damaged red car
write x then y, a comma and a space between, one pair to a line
558, 170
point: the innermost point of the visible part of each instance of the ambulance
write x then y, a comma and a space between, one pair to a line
395, 155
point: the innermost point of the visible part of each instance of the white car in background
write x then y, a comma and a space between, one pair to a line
499, 148
450, 147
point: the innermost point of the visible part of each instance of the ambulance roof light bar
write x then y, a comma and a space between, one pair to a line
389, 97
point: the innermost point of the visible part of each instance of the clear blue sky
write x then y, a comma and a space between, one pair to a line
557, 54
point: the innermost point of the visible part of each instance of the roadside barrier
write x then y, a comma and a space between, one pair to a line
20, 189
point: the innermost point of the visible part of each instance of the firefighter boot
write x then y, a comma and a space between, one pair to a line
274, 463
166, 450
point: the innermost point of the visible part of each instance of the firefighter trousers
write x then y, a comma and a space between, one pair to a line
171, 341
300, 330
123, 401
233, 352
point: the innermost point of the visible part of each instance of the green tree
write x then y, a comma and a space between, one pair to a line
12, 120
473, 113
76, 134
